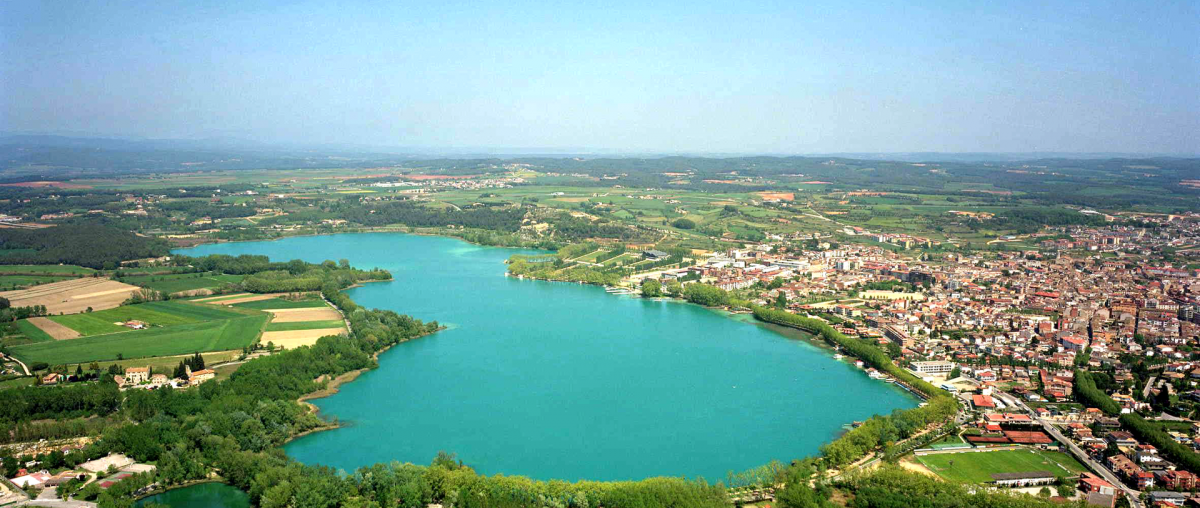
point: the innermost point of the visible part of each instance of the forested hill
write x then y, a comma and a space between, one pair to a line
93, 244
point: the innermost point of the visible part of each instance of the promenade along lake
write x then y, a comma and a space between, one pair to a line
560, 380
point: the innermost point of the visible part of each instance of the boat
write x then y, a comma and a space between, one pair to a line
838, 356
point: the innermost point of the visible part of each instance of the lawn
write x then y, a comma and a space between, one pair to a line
304, 325
977, 467
156, 314
215, 335
182, 282
280, 303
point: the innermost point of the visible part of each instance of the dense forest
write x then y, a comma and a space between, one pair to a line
496, 218
93, 244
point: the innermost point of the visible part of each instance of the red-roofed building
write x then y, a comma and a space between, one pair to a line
983, 402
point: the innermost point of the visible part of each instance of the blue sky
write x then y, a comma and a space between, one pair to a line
740, 77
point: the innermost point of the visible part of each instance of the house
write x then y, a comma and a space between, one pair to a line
137, 375
983, 402
1176, 479
200, 376
1096, 491
64, 477
654, 254
51, 378
1122, 439
1089, 483
37, 479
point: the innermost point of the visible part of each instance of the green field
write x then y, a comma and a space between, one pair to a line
280, 303
32, 333
214, 335
155, 314
977, 467
45, 269
20, 281
182, 282
305, 325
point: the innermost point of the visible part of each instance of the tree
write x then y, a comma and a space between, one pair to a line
684, 224
674, 288
781, 300
651, 288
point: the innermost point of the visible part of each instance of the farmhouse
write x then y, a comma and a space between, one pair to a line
201, 376
137, 375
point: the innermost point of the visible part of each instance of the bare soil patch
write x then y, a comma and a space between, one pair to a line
296, 338
301, 315
74, 295
59, 332
781, 196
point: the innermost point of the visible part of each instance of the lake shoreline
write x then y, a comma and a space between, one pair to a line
332, 386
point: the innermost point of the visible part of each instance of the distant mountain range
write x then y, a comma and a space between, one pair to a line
232, 144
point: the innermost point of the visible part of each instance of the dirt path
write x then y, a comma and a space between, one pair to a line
59, 332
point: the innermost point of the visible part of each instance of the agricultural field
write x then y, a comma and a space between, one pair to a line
279, 303
977, 467
153, 314
294, 322
24, 332
184, 282
304, 325
74, 295
13, 282
62, 270
215, 335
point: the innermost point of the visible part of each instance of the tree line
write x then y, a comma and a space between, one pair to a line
93, 244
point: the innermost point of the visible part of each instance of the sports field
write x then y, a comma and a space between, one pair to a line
977, 467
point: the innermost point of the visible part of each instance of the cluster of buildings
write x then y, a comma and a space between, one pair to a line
1114, 298
144, 378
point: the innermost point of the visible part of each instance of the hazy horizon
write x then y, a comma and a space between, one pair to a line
671, 78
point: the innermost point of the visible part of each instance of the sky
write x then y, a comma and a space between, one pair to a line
666, 76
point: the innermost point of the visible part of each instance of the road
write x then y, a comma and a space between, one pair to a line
1098, 468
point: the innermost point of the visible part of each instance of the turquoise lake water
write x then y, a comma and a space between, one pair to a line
560, 380
204, 495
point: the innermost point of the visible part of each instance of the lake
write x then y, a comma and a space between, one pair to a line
560, 380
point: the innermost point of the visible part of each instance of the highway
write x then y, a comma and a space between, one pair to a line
1098, 468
